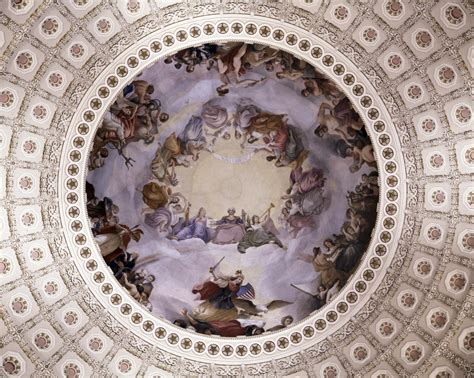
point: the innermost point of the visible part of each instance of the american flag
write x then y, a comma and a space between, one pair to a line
246, 292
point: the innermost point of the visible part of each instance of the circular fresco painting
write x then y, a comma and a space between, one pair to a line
232, 189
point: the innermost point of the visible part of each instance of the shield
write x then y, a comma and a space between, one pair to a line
246, 292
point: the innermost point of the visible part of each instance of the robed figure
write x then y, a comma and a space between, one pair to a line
258, 232
230, 229
218, 295
222, 310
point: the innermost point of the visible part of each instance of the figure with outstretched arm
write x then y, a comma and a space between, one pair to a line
227, 305
259, 231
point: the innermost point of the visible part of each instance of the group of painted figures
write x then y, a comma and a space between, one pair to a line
339, 255
136, 115
168, 211
259, 130
227, 306
335, 117
245, 231
113, 239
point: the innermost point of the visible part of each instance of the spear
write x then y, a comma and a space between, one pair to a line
304, 291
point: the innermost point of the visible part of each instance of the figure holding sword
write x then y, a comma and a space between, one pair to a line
218, 293
227, 306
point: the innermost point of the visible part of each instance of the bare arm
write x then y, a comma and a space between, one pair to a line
218, 276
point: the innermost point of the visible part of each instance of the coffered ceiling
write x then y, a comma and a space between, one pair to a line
408, 309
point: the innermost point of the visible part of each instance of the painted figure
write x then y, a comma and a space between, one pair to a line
259, 232
305, 199
176, 149
217, 119
195, 227
227, 306
165, 207
324, 264
230, 229
193, 56
230, 68
295, 222
218, 294
134, 116
226, 328
214, 116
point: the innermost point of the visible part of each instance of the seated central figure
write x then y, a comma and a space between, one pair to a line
230, 228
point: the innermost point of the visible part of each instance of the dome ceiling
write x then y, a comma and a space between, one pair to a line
71, 73
262, 171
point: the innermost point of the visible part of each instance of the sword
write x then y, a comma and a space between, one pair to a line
211, 269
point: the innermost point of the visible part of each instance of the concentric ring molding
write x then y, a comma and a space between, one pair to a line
442, 350
163, 37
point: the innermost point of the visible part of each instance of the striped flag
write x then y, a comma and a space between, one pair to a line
246, 292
